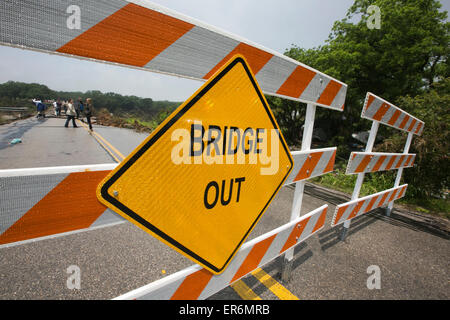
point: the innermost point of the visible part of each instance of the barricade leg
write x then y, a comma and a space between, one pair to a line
299, 187
399, 172
360, 179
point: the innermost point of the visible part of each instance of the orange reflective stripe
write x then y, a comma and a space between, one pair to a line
418, 128
255, 57
116, 38
383, 199
410, 161
340, 212
308, 166
296, 232
371, 203
192, 286
402, 192
355, 210
393, 195
369, 101
394, 117
381, 112
390, 163
297, 82
363, 164
329, 93
413, 122
57, 213
399, 162
404, 122
377, 165
321, 221
330, 165
253, 258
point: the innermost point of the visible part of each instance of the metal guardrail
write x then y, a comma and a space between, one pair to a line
13, 109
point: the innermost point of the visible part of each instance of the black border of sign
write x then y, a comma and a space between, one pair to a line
158, 134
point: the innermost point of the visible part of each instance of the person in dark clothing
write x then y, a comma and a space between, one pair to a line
58, 107
80, 109
88, 109
40, 108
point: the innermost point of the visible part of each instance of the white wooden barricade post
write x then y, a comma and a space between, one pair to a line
300, 185
379, 111
399, 172
360, 177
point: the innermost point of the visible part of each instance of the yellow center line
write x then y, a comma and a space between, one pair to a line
110, 145
102, 144
244, 291
273, 285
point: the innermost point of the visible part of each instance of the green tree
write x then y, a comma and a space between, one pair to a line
20, 94
431, 173
404, 57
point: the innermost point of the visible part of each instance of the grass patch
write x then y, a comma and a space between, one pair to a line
149, 124
440, 207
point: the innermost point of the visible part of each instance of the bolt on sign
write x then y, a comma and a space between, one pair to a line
202, 180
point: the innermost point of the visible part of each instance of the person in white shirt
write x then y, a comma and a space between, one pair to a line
55, 107
71, 113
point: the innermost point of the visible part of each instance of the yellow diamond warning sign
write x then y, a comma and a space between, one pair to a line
202, 180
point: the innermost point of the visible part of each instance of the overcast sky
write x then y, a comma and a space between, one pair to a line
274, 24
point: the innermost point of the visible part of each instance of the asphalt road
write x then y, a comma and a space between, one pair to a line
411, 251
47, 143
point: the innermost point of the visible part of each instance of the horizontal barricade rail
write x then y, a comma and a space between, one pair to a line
197, 283
378, 109
311, 163
352, 209
141, 34
40, 202
377, 161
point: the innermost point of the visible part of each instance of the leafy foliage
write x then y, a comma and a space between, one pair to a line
406, 62
408, 54
430, 175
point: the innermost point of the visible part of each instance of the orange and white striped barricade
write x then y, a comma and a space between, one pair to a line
144, 35
196, 282
364, 162
349, 210
311, 163
379, 111
308, 163
39, 203
140, 34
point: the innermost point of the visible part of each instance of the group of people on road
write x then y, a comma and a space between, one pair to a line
77, 109
72, 110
